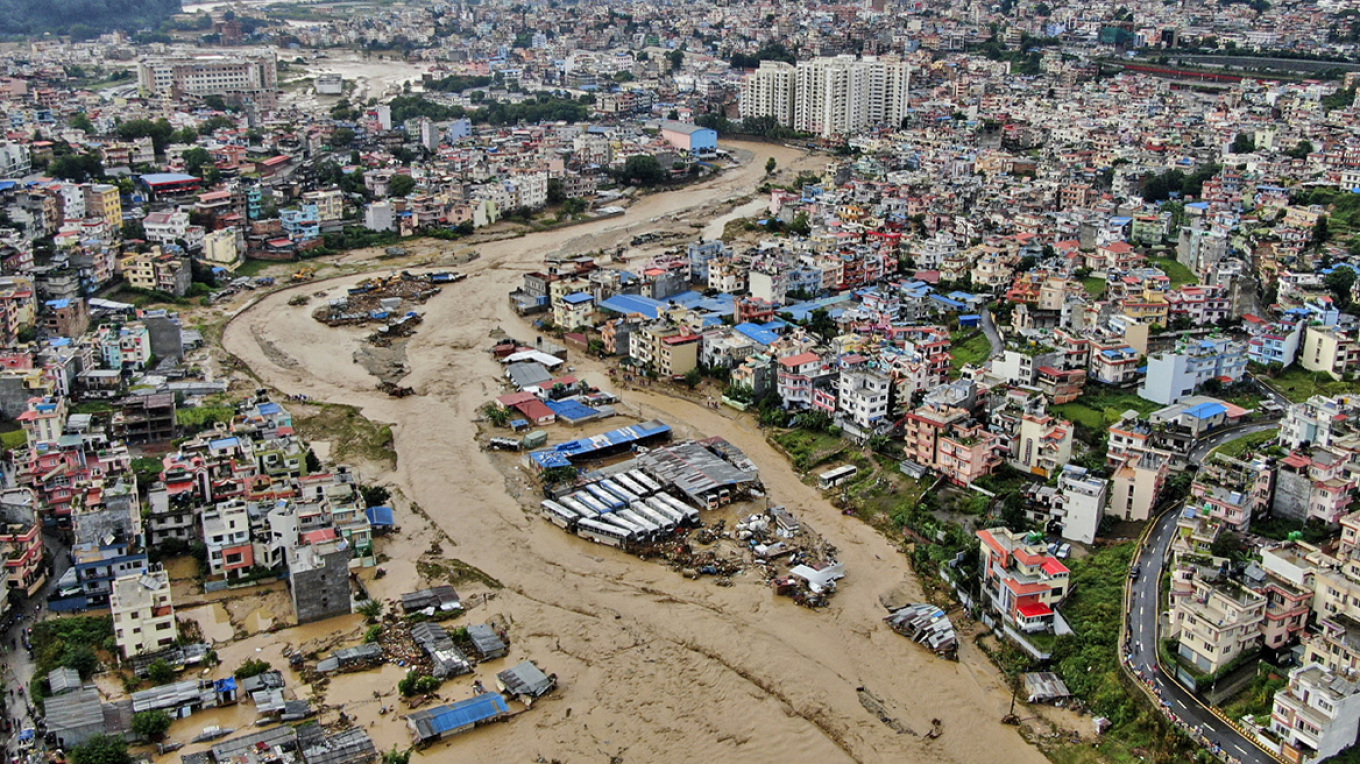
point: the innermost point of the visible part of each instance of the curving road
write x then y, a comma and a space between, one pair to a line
1144, 622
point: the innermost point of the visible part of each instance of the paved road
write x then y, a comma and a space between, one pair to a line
1144, 616
18, 665
993, 336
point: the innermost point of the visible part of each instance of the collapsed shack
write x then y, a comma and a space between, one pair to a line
446, 658
526, 682
1045, 687
432, 601
357, 658
488, 643
927, 625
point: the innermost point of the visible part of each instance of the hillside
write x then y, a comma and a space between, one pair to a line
84, 17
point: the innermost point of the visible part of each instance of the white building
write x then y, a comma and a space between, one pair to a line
1083, 503
768, 92
1318, 714
1317, 421
1173, 376
14, 159
143, 614
226, 533
166, 227
863, 397
845, 95
223, 248
72, 201
379, 216
253, 75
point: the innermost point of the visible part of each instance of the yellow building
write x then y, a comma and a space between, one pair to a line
104, 202
1328, 349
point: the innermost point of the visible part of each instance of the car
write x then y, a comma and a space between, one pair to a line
1064, 551
1137, 571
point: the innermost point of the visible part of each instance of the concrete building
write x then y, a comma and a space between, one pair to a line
1173, 376
863, 398
666, 349
380, 216
690, 138
143, 613
243, 76
1082, 499
1043, 445
1318, 421
1213, 621
318, 578
845, 95
226, 532
768, 92
1136, 485
1330, 349
1318, 715
104, 202
1021, 582
223, 248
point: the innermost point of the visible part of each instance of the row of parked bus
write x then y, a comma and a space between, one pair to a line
625, 508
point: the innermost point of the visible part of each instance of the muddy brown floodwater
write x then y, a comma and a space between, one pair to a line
652, 667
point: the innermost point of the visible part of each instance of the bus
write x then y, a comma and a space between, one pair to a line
646, 480
636, 531
605, 497
691, 514
559, 515
641, 509
650, 528
578, 507
603, 533
618, 490
632, 485
833, 478
586, 498
657, 505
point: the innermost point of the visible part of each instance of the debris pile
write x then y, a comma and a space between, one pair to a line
379, 298
928, 625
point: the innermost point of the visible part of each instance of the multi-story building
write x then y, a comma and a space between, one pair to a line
226, 532
1214, 621
665, 348
1081, 503
103, 202
863, 398
1136, 485
21, 531
768, 92
1173, 376
1021, 582
1042, 445
223, 248
143, 613
834, 96
1319, 421
242, 76
1330, 349
1232, 491
1318, 715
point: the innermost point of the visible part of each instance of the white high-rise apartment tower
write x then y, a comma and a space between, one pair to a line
829, 96
768, 92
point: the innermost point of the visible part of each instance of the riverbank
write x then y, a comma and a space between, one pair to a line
653, 667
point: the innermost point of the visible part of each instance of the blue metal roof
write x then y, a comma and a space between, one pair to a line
476, 709
576, 298
758, 333
1206, 410
955, 304
224, 443
270, 408
381, 516
632, 303
571, 409
582, 447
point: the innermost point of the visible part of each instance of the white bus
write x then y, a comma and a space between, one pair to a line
578, 507
645, 479
618, 490
636, 531
691, 514
588, 499
603, 533
605, 497
833, 478
650, 528
641, 509
657, 505
632, 485
559, 515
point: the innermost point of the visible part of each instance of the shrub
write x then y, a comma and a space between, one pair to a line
252, 667
161, 672
151, 724
416, 683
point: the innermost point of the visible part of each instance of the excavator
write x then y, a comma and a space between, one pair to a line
305, 273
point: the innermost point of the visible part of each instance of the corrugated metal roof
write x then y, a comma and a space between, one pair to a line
433, 722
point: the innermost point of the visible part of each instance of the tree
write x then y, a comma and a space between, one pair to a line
770, 166
375, 495
133, 229
401, 185
1340, 282
102, 749
313, 463
77, 168
676, 59
151, 724
160, 671
821, 324
195, 159
252, 667
1243, 144
81, 121
1229, 545
692, 378
1301, 149
643, 170
342, 137
1320, 232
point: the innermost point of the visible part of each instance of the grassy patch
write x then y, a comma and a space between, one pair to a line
808, 449
1246, 444
1094, 285
1178, 273
351, 435
1258, 697
13, 439
455, 572
253, 268
1098, 408
1298, 384
971, 351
